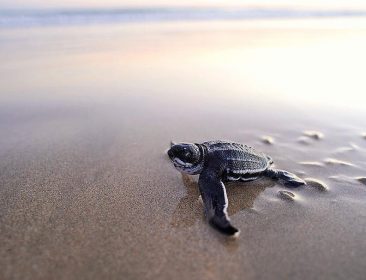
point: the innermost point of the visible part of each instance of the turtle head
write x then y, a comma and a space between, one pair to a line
186, 157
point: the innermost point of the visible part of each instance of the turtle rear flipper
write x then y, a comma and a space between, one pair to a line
285, 177
215, 201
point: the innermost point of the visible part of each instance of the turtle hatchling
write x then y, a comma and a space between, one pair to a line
218, 162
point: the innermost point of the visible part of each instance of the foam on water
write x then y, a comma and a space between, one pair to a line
11, 18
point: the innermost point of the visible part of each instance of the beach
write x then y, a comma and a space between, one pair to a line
87, 113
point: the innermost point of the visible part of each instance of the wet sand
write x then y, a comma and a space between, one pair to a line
87, 113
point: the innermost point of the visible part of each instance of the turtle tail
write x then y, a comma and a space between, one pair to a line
285, 177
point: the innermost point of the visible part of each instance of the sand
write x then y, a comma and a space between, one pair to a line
87, 191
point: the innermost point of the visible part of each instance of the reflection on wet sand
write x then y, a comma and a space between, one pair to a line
241, 196
189, 208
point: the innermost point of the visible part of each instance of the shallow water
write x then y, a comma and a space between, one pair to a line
87, 113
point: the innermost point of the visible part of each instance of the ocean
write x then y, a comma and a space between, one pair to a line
45, 17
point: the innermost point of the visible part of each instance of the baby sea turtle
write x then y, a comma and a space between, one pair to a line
221, 161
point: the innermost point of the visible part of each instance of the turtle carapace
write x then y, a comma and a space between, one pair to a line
218, 162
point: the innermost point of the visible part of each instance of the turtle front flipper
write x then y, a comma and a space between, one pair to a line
215, 202
285, 177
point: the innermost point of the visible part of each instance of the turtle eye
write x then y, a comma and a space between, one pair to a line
186, 153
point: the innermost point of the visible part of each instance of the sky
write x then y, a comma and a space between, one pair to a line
318, 4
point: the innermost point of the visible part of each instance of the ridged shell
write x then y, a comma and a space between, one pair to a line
241, 158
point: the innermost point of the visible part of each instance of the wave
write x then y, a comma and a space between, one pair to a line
87, 16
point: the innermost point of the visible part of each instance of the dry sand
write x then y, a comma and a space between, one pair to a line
87, 192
